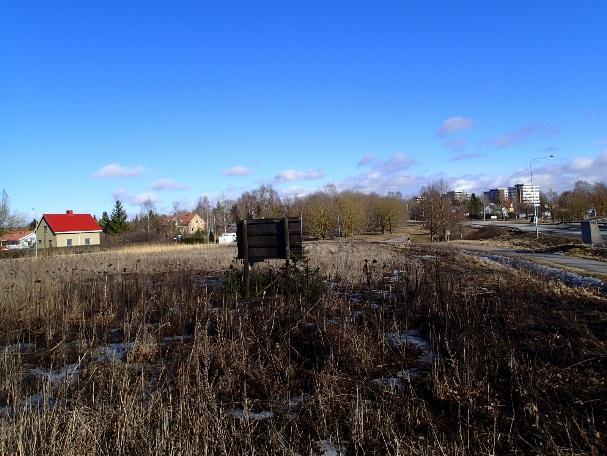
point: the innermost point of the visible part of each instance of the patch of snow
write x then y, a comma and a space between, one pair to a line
552, 273
328, 448
241, 415
210, 281
20, 347
169, 339
67, 374
389, 382
113, 352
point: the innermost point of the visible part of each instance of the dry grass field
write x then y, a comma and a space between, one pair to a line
365, 349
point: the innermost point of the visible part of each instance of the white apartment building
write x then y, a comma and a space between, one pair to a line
458, 195
525, 194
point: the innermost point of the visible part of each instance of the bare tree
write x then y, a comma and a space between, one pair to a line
438, 212
8, 219
222, 213
147, 212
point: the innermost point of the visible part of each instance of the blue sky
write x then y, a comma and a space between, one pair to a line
174, 100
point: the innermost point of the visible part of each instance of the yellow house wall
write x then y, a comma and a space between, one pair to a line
44, 236
195, 224
77, 239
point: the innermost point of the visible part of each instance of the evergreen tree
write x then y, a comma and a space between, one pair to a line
475, 206
32, 225
118, 219
105, 222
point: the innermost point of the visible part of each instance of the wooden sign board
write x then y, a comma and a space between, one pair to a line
261, 239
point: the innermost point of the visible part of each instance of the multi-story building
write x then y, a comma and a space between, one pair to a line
526, 194
458, 196
498, 195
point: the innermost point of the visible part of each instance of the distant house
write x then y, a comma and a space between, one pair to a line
67, 230
187, 224
18, 239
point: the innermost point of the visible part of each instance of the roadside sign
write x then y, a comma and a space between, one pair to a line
261, 239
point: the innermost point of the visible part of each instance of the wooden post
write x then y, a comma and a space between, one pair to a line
285, 227
285, 223
245, 271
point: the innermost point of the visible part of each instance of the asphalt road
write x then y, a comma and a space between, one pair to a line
577, 264
570, 230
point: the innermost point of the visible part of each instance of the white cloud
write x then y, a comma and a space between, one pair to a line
547, 174
296, 191
366, 160
456, 145
465, 156
138, 199
114, 170
524, 134
237, 171
168, 184
453, 124
290, 175
393, 165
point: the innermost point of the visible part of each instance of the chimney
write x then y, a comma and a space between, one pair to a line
69, 212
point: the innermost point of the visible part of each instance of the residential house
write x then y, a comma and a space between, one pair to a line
17, 239
186, 224
67, 230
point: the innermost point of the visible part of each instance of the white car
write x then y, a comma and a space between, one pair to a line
227, 238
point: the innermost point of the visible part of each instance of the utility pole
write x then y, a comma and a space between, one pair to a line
537, 232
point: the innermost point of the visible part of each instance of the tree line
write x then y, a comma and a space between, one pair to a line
325, 213
329, 212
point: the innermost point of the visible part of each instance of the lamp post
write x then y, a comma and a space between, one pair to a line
537, 233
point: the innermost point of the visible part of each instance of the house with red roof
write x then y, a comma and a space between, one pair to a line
67, 230
17, 239
185, 224
188, 224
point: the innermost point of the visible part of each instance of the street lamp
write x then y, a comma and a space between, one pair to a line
537, 233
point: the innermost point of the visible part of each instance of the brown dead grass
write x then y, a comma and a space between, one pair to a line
521, 364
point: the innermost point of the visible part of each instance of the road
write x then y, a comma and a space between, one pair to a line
576, 264
570, 230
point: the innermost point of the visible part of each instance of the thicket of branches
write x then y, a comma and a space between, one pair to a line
573, 205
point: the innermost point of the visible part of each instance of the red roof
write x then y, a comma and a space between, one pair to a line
60, 223
185, 219
15, 235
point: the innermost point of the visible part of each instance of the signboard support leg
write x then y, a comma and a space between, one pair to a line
245, 270
285, 225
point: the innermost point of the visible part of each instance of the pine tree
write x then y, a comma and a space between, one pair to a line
118, 219
105, 222
475, 206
